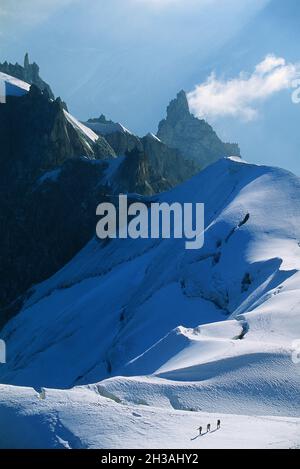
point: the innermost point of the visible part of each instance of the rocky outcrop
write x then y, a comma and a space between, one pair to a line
149, 166
133, 175
155, 168
168, 167
193, 137
30, 73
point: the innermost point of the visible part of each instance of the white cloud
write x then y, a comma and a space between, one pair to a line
269, 63
239, 97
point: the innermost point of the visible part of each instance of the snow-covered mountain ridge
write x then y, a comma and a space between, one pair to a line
146, 322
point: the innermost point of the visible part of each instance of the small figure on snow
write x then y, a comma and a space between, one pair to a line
200, 430
218, 424
208, 427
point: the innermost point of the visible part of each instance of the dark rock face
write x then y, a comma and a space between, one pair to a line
35, 137
44, 225
153, 169
29, 73
123, 142
39, 227
133, 174
193, 137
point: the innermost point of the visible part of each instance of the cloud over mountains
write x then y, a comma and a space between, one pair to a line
240, 96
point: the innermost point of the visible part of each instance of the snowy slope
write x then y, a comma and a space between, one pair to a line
81, 418
14, 86
81, 127
150, 323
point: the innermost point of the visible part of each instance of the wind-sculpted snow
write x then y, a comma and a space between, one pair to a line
150, 323
82, 418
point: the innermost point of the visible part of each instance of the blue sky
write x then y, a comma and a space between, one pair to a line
128, 58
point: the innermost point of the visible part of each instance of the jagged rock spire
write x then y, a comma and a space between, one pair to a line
29, 72
178, 107
193, 137
26, 60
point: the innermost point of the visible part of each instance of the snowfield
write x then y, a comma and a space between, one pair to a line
80, 418
142, 341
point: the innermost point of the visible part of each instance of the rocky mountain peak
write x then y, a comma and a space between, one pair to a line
178, 107
26, 61
193, 137
29, 72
